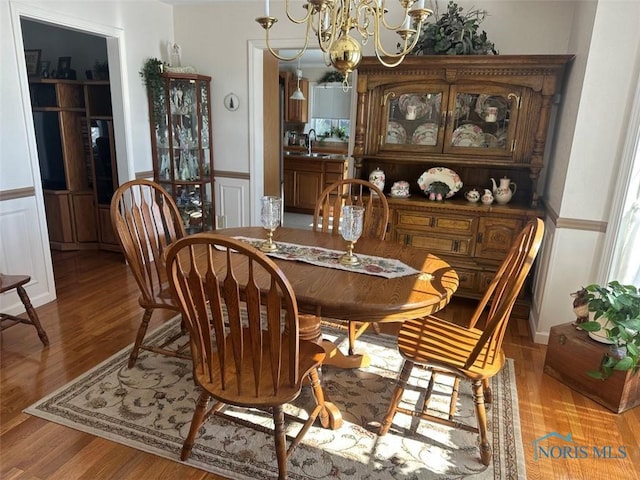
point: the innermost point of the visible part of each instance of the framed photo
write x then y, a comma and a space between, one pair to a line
32, 58
43, 68
64, 65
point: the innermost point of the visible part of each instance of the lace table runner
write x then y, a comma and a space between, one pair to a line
322, 257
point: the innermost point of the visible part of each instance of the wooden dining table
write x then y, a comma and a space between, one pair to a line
347, 295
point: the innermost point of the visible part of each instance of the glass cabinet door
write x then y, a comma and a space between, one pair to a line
413, 117
482, 120
182, 148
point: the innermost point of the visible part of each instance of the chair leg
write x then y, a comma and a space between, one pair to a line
486, 388
281, 447
196, 423
329, 414
355, 330
405, 373
142, 331
481, 414
31, 313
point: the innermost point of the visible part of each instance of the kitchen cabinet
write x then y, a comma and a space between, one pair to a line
481, 117
181, 146
295, 111
306, 177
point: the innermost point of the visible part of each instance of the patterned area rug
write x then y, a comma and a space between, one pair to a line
149, 407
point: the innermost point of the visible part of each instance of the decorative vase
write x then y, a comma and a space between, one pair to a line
377, 177
503, 192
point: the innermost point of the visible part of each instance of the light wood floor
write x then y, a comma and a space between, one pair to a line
96, 314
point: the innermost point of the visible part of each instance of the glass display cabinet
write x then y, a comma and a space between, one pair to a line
438, 118
180, 117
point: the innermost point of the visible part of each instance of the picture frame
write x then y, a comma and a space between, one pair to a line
43, 68
64, 65
32, 59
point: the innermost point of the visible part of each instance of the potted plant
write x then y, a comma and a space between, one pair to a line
616, 309
151, 74
335, 134
455, 33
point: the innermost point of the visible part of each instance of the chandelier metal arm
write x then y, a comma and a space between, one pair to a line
332, 20
309, 13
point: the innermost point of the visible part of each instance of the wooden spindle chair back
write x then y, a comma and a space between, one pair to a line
352, 191
146, 220
326, 218
242, 317
472, 352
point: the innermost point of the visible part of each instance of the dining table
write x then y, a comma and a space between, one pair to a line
348, 293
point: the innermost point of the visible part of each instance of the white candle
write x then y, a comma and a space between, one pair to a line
420, 4
266, 8
407, 23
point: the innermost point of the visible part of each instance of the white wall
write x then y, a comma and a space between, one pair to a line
592, 131
141, 29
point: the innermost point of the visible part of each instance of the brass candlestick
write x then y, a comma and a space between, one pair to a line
349, 258
269, 246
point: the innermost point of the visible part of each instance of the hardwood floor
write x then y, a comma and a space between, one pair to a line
97, 314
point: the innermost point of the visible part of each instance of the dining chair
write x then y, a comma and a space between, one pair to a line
471, 352
146, 220
327, 215
17, 283
242, 317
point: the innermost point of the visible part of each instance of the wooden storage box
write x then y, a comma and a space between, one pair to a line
571, 353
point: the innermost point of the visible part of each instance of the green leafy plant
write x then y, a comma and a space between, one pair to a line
151, 74
455, 33
332, 76
335, 132
618, 307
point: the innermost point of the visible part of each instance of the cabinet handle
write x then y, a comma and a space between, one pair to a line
456, 245
479, 237
443, 118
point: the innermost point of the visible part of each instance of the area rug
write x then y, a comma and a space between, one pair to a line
149, 408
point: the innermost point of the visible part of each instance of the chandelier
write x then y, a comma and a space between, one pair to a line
331, 22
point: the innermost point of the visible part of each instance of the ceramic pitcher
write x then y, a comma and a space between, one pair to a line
487, 197
503, 192
377, 177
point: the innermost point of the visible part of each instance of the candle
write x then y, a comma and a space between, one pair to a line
266, 8
325, 22
407, 23
420, 4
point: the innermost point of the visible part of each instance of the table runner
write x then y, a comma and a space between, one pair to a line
323, 257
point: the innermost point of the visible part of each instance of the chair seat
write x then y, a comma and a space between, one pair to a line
9, 282
447, 346
311, 356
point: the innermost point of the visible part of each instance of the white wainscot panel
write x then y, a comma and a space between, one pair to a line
232, 202
22, 253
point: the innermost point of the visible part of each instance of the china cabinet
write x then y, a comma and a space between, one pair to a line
459, 121
180, 117
101, 142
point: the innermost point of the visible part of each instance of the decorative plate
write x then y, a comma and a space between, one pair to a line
419, 102
425, 134
468, 139
441, 174
486, 101
488, 141
396, 133
399, 196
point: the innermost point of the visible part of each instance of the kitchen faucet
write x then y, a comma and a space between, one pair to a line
315, 138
